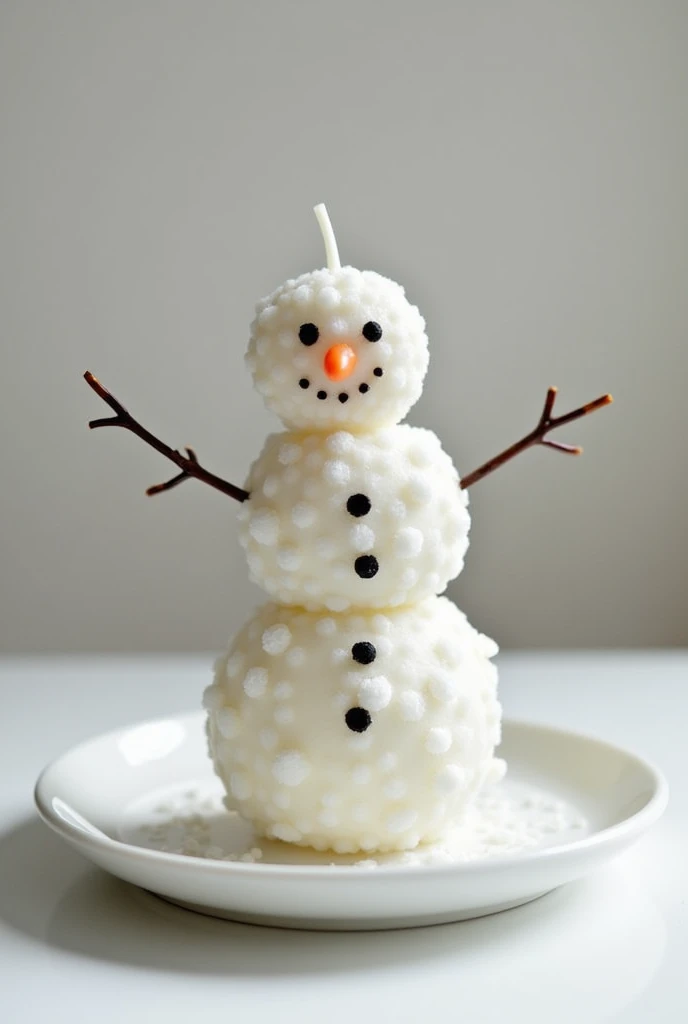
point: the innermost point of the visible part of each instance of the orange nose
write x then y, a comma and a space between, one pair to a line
340, 361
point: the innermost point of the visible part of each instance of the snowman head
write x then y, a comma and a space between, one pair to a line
338, 347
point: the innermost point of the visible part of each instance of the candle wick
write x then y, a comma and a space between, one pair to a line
331, 251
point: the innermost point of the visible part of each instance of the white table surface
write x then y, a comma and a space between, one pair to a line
78, 945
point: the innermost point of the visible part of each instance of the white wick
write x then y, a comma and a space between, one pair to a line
331, 251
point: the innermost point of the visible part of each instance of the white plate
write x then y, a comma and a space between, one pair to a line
120, 797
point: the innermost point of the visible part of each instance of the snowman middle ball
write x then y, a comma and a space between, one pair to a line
342, 520
355, 732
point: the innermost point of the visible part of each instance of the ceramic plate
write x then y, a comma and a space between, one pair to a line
143, 803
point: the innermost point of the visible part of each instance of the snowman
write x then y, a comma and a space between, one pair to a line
358, 710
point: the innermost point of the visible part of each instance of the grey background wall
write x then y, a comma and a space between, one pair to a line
520, 167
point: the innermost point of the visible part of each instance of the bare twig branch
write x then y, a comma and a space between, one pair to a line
189, 464
549, 405
169, 484
546, 423
568, 449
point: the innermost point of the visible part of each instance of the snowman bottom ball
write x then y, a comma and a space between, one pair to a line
349, 732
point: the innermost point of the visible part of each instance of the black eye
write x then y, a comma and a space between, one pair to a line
358, 719
372, 331
308, 334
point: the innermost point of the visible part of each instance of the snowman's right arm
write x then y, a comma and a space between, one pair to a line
188, 464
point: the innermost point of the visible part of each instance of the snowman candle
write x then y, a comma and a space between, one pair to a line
358, 709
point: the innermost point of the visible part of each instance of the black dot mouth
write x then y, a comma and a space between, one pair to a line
342, 396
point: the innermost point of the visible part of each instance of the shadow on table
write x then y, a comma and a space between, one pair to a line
48, 893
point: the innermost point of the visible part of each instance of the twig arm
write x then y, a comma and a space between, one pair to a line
188, 464
546, 423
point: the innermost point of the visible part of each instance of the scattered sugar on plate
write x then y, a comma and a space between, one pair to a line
509, 818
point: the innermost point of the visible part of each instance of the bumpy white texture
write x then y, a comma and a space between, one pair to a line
339, 303
289, 758
305, 534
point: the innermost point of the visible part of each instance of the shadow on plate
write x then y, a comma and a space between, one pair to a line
50, 894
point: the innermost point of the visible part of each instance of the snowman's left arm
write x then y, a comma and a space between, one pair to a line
546, 423
188, 464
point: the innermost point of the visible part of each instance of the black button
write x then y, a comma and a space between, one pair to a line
358, 719
363, 652
358, 505
366, 566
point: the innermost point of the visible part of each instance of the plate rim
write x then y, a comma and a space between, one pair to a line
632, 825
